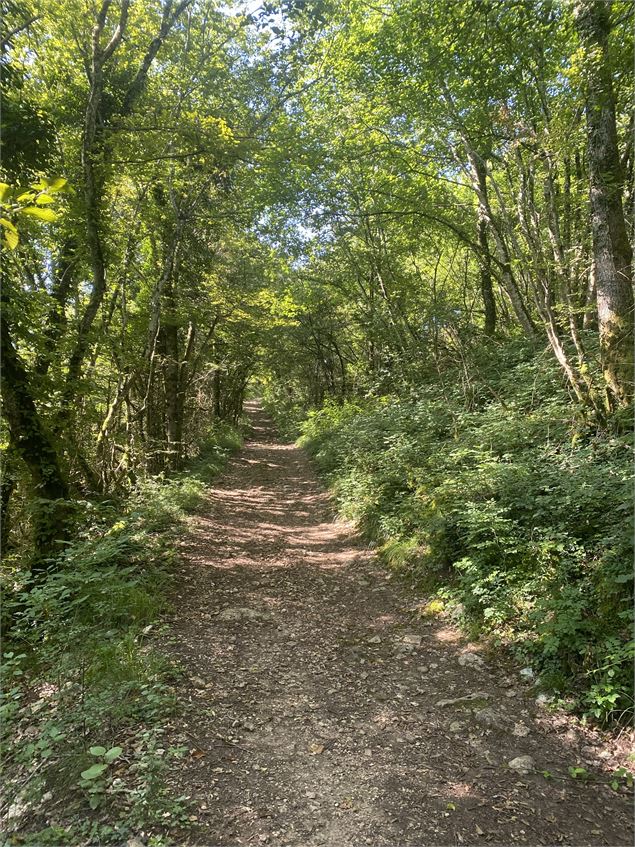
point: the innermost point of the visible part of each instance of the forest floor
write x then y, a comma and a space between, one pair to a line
315, 705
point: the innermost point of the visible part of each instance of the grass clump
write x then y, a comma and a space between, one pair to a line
85, 696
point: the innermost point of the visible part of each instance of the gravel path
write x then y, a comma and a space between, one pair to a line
314, 709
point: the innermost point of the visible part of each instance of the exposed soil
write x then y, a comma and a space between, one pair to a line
309, 719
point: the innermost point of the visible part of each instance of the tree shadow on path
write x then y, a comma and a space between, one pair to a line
316, 710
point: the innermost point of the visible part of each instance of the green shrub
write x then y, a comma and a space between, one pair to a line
79, 674
511, 507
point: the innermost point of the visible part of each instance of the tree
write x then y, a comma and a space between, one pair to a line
612, 253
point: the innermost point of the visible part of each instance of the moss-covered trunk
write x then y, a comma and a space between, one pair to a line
32, 443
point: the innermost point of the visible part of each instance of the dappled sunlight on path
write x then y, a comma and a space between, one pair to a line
314, 709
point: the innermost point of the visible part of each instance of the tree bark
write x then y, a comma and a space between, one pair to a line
479, 180
94, 155
171, 374
611, 248
34, 446
63, 267
487, 291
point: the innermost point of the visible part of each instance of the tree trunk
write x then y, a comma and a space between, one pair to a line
487, 291
63, 268
95, 154
611, 248
9, 481
479, 180
32, 443
216, 393
171, 379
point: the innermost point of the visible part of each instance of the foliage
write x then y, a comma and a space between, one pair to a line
33, 201
511, 509
382, 214
85, 695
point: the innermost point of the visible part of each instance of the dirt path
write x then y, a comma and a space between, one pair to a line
313, 715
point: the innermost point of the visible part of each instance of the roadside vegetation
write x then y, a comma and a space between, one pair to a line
86, 696
512, 515
408, 227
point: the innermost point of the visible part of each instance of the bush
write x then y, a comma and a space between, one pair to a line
511, 509
79, 674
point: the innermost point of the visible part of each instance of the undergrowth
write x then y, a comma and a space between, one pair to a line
285, 406
509, 509
85, 696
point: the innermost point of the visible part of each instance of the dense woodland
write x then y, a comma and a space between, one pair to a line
406, 226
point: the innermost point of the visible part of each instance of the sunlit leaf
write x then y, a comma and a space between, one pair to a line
12, 239
55, 184
113, 754
97, 751
47, 215
8, 225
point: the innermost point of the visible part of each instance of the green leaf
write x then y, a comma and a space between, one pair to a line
55, 184
43, 214
5, 191
44, 199
113, 754
97, 751
12, 239
8, 225
93, 771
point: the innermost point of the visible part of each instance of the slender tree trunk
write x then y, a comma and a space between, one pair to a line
479, 178
216, 393
487, 291
154, 406
611, 248
92, 156
8, 476
64, 264
171, 375
95, 152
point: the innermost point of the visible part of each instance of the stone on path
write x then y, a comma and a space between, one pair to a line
471, 660
490, 719
468, 698
522, 765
